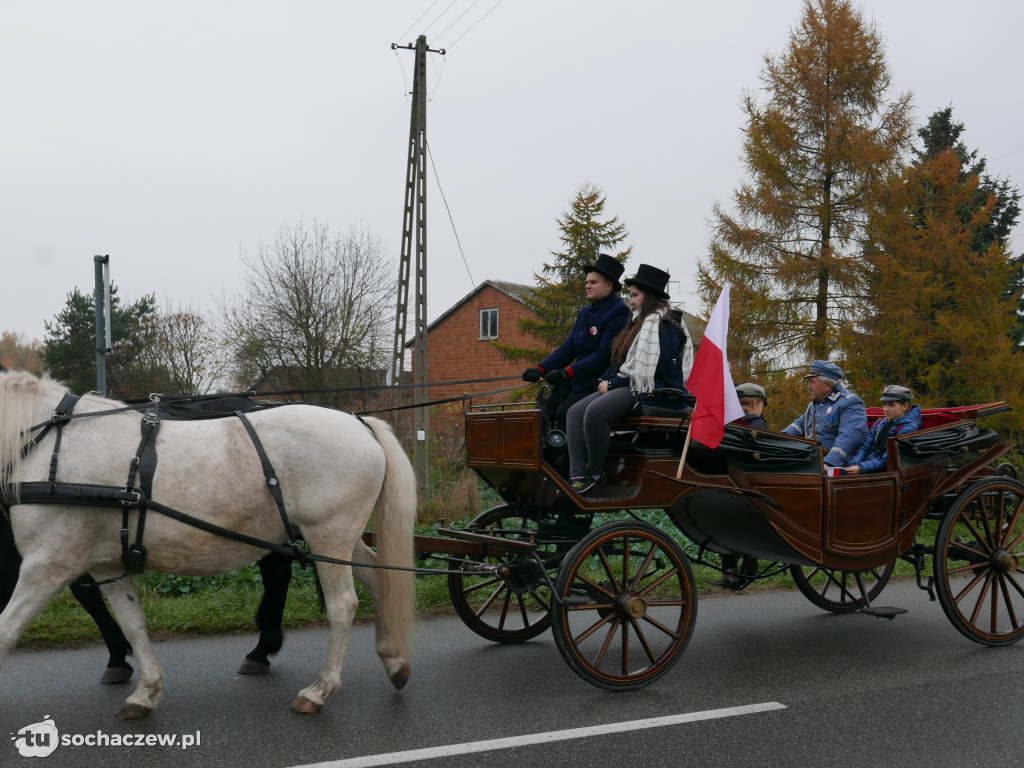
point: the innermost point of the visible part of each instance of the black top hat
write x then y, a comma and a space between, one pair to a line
650, 280
608, 266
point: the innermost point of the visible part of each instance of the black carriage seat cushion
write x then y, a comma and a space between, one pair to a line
922, 447
663, 408
752, 450
210, 407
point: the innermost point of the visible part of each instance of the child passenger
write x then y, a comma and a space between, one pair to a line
900, 418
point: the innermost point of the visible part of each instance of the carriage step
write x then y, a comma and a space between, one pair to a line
884, 611
575, 600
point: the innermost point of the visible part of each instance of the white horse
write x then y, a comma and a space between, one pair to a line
332, 470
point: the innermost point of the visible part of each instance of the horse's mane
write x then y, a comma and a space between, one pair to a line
20, 395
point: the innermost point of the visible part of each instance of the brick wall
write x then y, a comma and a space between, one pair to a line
456, 351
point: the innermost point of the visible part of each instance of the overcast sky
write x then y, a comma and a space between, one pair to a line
177, 136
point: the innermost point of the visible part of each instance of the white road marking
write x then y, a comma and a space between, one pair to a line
429, 753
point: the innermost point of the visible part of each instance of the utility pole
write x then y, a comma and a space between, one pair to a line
414, 239
101, 298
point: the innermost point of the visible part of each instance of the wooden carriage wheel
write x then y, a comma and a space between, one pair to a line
979, 556
838, 591
503, 611
629, 605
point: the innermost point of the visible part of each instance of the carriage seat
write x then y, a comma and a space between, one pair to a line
662, 409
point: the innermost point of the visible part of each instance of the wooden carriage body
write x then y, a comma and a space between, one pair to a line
760, 493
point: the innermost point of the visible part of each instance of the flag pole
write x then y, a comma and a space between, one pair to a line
686, 447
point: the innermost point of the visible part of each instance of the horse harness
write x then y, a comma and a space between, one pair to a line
138, 490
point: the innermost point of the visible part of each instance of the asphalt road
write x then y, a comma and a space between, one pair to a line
841, 690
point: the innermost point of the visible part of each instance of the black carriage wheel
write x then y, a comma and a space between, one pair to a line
838, 591
979, 553
492, 607
631, 605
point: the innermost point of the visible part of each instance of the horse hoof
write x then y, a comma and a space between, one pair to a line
400, 676
114, 675
304, 706
250, 667
132, 712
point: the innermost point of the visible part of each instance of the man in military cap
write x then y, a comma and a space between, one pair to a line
753, 399
835, 417
573, 369
901, 417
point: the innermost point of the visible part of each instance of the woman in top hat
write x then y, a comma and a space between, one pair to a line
573, 369
646, 356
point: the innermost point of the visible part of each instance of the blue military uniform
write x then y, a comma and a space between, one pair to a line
839, 422
590, 343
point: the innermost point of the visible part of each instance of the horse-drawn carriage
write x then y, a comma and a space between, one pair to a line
601, 570
620, 596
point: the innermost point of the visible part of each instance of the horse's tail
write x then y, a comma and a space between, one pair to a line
396, 519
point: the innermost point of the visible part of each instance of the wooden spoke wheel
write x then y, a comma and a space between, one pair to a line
979, 561
510, 610
629, 605
838, 591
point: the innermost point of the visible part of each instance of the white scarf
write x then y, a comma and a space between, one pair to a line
642, 359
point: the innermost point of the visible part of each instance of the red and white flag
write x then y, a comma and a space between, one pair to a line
711, 382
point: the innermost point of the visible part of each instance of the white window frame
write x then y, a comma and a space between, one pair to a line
485, 314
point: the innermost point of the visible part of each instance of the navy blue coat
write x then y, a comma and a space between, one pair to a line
872, 454
839, 423
669, 373
588, 350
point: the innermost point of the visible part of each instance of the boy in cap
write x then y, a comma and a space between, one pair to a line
835, 417
901, 417
753, 399
573, 369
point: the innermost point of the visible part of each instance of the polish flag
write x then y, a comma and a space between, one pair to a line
711, 382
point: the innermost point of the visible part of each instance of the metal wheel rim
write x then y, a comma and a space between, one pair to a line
485, 603
979, 562
633, 628
837, 591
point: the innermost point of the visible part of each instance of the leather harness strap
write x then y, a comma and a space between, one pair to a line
133, 557
274, 486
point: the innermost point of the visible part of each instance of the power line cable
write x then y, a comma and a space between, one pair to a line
399, 38
441, 33
439, 17
448, 48
458, 242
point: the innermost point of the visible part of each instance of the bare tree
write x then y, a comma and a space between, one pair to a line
175, 351
314, 311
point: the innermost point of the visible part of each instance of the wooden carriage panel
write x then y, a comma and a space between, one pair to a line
799, 522
860, 517
510, 440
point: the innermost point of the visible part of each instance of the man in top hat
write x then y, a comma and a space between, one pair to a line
753, 399
835, 417
573, 369
901, 417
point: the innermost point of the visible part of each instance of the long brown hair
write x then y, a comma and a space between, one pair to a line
622, 342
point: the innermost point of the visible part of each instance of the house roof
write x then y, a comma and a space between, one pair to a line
516, 290
519, 292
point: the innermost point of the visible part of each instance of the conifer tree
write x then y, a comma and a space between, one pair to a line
815, 150
941, 317
558, 294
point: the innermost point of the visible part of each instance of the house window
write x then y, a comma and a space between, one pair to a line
489, 323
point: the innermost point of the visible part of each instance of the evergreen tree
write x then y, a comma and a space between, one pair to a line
558, 294
814, 152
941, 134
941, 316
69, 347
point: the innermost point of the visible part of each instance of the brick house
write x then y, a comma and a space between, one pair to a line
459, 341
